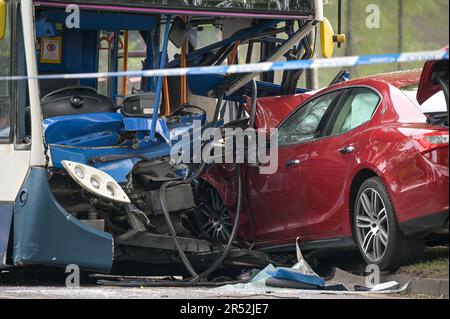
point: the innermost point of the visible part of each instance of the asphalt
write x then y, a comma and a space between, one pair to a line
50, 286
96, 292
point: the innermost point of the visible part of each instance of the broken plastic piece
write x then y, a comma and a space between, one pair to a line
283, 283
291, 274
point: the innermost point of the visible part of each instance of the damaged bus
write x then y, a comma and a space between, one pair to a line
86, 176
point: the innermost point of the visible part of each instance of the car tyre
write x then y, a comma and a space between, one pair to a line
376, 229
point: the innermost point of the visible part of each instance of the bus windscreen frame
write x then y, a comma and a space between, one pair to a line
285, 9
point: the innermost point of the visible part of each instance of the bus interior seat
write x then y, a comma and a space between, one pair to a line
61, 104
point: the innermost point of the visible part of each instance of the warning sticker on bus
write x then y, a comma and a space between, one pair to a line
51, 50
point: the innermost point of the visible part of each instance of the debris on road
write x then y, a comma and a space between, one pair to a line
302, 277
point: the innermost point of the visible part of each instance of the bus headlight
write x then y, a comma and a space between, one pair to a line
96, 182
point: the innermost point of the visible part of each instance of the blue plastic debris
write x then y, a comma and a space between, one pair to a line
291, 274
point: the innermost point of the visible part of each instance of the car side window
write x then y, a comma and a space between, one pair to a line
303, 124
358, 109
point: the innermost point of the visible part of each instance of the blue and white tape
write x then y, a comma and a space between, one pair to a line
338, 62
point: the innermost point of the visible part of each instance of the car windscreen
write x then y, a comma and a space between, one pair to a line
435, 104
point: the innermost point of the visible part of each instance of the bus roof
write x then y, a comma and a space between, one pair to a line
293, 9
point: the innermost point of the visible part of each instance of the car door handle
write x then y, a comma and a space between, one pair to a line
347, 149
292, 163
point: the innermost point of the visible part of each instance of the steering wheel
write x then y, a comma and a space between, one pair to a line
79, 88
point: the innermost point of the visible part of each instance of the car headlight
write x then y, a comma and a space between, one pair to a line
96, 182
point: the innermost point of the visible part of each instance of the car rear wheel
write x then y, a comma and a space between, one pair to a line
377, 234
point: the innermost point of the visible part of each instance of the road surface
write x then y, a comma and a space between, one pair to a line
101, 292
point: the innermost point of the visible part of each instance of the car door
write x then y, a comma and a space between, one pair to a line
329, 162
276, 200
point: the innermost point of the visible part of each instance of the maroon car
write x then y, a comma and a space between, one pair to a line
362, 163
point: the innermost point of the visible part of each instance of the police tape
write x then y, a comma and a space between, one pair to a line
338, 62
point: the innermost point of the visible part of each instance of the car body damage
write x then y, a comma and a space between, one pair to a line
120, 147
121, 169
110, 190
365, 133
112, 142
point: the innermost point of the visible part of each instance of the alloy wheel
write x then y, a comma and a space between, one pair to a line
217, 223
371, 225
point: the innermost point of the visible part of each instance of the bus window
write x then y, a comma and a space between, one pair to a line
104, 60
204, 35
137, 53
5, 70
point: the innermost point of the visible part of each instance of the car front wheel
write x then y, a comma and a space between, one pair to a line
378, 236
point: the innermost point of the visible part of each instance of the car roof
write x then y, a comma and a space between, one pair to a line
271, 105
397, 79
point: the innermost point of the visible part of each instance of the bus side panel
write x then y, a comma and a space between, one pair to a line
6, 212
46, 234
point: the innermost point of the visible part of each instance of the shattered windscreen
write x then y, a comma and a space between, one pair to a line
273, 7
291, 6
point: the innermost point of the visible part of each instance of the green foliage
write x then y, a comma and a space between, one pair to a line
424, 24
434, 264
